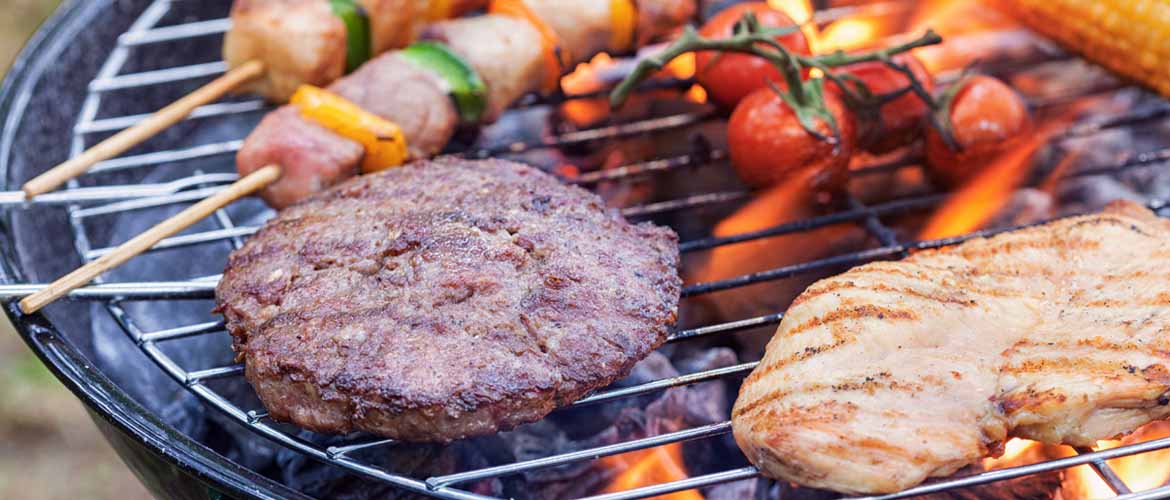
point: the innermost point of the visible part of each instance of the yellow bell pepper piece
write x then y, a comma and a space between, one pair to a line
382, 139
624, 17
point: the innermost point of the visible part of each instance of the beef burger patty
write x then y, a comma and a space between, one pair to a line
445, 299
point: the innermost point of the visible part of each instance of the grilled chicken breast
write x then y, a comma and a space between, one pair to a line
894, 372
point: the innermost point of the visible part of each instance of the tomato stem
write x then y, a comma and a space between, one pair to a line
806, 98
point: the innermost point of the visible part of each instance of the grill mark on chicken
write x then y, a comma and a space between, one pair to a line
800, 355
1096, 343
1071, 345
866, 311
868, 384
835, 287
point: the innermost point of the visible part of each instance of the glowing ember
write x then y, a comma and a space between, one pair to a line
658, 465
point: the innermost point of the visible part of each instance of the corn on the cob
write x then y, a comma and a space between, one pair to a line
1129, 37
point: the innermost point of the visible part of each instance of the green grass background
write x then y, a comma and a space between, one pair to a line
49, 449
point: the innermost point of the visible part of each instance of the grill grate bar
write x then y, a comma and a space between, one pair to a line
143, 203
186, 240
581, 455
157, 77
694, 201
1106, 473
739, 474
206, 111
854, 214
1154, 494
730, 326
338, 451
107, 193
648, 126
175, 32
174, 155
285, 439
873, 224
182, 332
152, 290
849, 259
1130, 118
666, 383
925, 489
198, 376
650, 167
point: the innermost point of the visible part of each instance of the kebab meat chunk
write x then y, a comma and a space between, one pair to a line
317, 41
463, 72
896, 372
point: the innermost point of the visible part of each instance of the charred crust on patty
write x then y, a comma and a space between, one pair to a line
445, 299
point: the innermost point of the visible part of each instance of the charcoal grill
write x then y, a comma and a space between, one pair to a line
97, 66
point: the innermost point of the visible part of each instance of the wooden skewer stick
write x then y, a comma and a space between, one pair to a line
151, 126
180, 221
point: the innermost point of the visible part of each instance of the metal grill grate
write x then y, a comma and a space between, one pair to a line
117, 198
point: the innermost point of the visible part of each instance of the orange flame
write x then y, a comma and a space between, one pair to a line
584, 79
849, 34
966, 26
974, 204
658, 465
800, 11
958, 17
1139, 472
778, 204
1015, 452
683, 67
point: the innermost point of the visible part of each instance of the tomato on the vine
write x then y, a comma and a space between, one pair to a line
768, 144
899, 121
729, 77
986, 115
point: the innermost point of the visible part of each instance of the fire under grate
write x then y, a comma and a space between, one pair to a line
84, 203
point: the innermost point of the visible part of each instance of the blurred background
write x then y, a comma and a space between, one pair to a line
49, 449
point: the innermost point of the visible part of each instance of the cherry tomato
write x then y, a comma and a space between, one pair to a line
728, 77
986, 115
768, 144
900, 120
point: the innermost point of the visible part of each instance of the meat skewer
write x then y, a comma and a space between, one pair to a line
149, 238
272, 47
519, 47
408, 107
